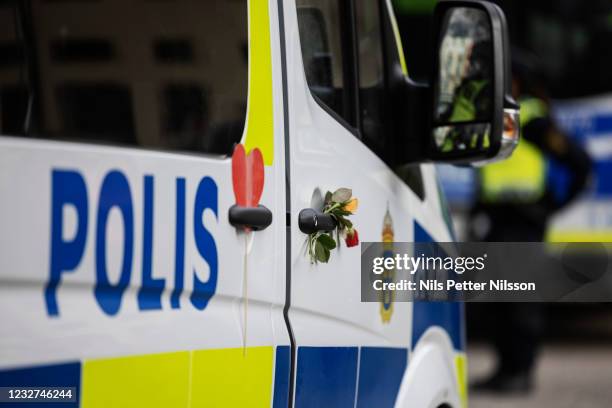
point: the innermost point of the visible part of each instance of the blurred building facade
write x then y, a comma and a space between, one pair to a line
108, 70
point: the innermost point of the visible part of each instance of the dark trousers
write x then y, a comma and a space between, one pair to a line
515, 329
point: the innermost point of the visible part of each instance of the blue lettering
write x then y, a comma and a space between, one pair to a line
206, 197
67, 187
149, 295
115, 192
179, 246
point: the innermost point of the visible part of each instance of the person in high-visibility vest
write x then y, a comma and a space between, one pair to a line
514, 205
471, 98
472, 102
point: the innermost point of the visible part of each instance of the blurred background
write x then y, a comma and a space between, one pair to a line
568, 45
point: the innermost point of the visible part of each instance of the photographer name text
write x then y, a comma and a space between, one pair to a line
452, 285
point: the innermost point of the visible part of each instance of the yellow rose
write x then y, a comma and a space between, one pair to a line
351, 205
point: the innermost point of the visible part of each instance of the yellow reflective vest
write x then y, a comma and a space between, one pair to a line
522, 177
464, 108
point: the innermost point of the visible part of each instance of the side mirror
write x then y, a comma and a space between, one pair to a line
474, 118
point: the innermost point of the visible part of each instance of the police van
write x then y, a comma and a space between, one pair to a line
164, 164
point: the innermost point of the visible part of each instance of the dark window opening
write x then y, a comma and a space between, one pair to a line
14, 108
184, 108
98, 112
81, 50
173, 51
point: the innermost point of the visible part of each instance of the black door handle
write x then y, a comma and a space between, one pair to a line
255, 218
311, 221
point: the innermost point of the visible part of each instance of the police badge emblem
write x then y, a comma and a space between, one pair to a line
386, 296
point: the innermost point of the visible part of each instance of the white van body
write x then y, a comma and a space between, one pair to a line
120, 274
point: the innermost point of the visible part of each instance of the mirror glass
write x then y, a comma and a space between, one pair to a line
463, 89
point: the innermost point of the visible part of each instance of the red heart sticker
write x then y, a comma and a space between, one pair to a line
247, 176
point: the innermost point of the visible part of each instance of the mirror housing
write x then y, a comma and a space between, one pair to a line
473, 117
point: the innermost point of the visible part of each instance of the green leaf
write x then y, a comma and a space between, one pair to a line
327, 255
342, 213
343, 222
327, 241
321, 253
341, 195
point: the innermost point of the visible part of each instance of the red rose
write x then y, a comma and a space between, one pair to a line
352, 238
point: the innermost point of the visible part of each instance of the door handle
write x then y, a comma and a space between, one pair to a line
311, 221
256, 218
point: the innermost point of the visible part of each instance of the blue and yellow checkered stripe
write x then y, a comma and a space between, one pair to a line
212, 378
325, 376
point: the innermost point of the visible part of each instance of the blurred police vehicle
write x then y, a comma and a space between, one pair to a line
128, 250
571, 41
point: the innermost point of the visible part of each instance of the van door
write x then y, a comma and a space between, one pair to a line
120, 273
348, 353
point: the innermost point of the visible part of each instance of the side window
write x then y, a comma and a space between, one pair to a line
374, 93
324, 53
85, 71
372, 87
353, 83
